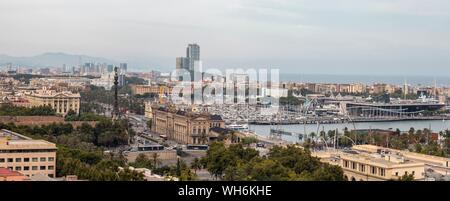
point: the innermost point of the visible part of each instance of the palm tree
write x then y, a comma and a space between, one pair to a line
204, 138
196, 165
312, 135
155, 159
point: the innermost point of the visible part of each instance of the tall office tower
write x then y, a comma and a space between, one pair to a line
123, 68
9, 66
110, 68
102, 68
193, 54
97, 68
122, 80
193, 51
182, 63
87, 68
92, 67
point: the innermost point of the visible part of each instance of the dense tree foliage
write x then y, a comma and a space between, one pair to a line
143, 161
72, 116
106, 133
93, 94
290, 99
146, 95
9, 110
406, 177
181, 170
281, 164
420, 141
135, 80
92, 107
25, 78
97, 94
93, 166
247, 141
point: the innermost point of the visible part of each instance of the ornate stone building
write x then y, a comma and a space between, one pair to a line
184, 127
61, 102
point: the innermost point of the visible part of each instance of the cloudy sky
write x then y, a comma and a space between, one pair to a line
299, 36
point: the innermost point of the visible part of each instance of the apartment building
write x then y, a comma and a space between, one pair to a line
383, 88
27, 156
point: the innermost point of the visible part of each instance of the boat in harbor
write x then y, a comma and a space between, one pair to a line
238, 127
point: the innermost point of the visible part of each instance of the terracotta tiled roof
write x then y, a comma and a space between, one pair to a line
4, 172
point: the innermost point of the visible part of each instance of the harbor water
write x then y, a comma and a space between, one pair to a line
434, 125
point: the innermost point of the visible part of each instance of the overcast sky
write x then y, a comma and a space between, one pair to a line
301, 36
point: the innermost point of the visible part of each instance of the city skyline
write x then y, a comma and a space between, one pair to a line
310, 37
272, 92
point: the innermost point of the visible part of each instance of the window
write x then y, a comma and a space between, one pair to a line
345, 163
42, 168
43, 159
34, 168
34, 159
396, 173
26, 168
373, 170
51, 175
10, 160
18, 160
362, 168
26, 160
413, 172
51, 167
382, 172
354, 165
51, 159
18, 168
2, 160
10, 168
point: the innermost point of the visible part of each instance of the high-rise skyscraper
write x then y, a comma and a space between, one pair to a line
182, 63
192, 58
110, 68
193, 54
123, 68
193, 51
122, 72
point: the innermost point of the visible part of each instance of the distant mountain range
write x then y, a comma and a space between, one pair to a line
52, 59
